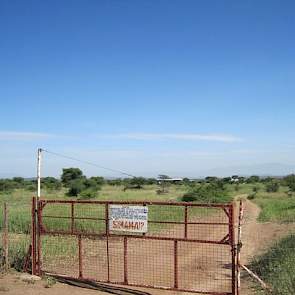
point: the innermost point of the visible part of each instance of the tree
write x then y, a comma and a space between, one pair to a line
163, 176
253, 179
88, 193
290, 182
163, 184
98, 180
6, 185
116, 181
19, 180
207, 193
137, 181
211, 178
151, 181
76, 187
227, 179
51, 183
272, 187
71, 174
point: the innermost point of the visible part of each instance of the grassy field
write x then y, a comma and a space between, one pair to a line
277, 267
19, 205
19, 202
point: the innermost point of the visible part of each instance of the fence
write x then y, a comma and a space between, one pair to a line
174, 246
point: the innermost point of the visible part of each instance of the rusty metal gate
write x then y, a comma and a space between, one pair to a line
186, 246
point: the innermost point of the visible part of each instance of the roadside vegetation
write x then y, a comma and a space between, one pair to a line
277, 267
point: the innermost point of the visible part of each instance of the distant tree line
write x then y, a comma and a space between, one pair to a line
78, 185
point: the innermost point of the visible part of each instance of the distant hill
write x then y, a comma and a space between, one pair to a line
267, 169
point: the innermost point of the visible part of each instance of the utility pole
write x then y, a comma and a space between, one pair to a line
39, 174
35, 232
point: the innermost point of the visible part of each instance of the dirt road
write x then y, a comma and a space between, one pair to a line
257, 237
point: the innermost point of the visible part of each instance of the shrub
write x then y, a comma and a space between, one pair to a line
71, 174
255, 189
272, 187
75, 188
290, 181
51, 183
207, 193
251, 196
188, 198
88, 194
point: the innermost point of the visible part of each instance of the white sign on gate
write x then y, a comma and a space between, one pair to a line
128, 218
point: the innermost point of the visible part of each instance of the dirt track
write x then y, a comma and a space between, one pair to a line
255, 236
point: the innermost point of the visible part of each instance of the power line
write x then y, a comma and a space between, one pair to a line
87, 162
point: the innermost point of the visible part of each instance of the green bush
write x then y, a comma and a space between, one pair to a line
251, 196
88, 194
277, 267
213, 192
272, 187
188, 198
17, 254
76, 187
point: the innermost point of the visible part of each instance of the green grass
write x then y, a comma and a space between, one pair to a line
19, 213
19, 204
277, 267
276, 207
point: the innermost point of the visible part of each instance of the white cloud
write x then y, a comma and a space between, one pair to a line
14, 135
178, 136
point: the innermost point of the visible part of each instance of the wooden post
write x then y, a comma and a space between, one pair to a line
33, 237
5, 236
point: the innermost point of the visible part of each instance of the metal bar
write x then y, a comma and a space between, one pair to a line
146, 286
185, 222
38, 232
136, 237
5, 236
125, 261
72, 217
139, 202
225, 238
107, 239
69, 217
33, 236
226, 212
80, 256
233, 247
175, 265
255, 276
150, 221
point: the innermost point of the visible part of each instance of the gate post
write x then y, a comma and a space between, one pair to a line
233, 246
33, 236
5, 236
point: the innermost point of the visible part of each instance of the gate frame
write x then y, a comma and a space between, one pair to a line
37, 230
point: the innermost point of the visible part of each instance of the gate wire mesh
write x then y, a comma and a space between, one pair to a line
188, 247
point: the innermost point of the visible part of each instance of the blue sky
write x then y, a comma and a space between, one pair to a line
176, 87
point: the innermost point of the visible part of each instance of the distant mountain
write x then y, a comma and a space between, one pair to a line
267, 169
